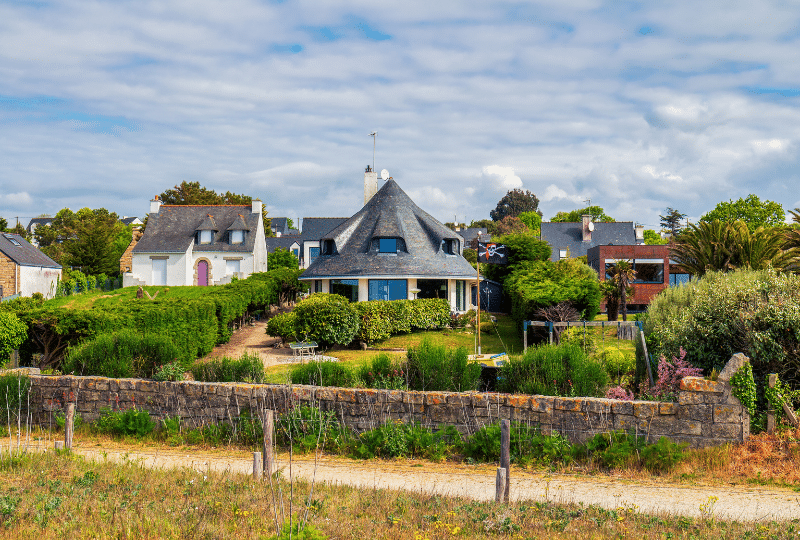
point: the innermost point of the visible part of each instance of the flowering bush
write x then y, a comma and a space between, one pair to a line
670, 374
617, 392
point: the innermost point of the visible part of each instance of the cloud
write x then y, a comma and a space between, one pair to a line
21, 199
555, 193
501, 178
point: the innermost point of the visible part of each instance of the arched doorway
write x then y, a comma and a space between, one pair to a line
202, 273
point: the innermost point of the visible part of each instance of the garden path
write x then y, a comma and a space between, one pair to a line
253, 340
750, 504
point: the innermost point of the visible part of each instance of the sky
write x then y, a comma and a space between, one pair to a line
634, 106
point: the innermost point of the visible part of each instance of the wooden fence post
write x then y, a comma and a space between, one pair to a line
773, 378
505, 454
647, 360
69, 425
268, 422
524, 336
499, 484
257, 465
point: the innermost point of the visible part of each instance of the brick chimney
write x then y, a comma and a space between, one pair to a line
155, 204
588, 227
370, 184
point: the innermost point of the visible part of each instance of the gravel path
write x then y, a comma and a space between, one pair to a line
477, 482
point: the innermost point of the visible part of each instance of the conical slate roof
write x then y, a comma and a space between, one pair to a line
390, 214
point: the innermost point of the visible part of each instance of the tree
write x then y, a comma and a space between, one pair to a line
521, 247
652, 238
722, 246
511, 225
597, 213
92, 240
671, 223
533, 220
193, 193
282, 258
623, 275
514, 203
791, 242
487, 224
752, 211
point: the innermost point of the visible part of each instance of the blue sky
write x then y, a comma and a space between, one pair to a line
635, 106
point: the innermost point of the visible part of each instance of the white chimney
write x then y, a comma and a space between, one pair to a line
588, 227
639, 234
257, 205
370, 184
155, 204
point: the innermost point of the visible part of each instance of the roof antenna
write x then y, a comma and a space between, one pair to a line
374, 135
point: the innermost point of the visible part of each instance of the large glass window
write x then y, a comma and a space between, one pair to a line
649, 271
387, 245
388, 289
432, 288
679, 279
346, 287
313, 253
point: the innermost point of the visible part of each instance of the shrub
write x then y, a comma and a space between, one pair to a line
12, 334
662, 456
577, 335
396, 439
308, 428
670, 374
172, 371
383, 371
617, 364
527, 444
753, 312
554, 370
535, 285
121, 354
323, 374
282, 326
247, 368
432, 367
327, 319
381, 319
131, 422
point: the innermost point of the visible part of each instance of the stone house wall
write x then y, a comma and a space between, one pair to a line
8, 276
706, 413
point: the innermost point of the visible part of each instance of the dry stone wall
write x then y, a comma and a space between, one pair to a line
706, 413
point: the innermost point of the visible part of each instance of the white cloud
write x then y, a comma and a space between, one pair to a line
501, 178
21, 199
555, 193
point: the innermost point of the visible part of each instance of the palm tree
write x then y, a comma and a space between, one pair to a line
791, 244
623, 276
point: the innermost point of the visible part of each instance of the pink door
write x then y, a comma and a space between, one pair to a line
202, 273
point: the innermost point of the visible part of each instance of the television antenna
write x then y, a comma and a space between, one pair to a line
374, 135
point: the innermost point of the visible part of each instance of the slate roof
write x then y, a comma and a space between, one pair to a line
285, 242
173, 228
390, 214
471, 233
24, 254
314, 228
570, 236
281, 225
128, 220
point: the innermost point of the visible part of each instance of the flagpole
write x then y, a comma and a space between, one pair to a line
478, 278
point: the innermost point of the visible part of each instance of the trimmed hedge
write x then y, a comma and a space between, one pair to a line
121, 355
381, 319
194, 318
326, 318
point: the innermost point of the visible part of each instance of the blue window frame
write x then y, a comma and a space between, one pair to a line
313, 253
388, 289
387, 245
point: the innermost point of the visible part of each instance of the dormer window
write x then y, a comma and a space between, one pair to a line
387, 245
328, 247
449, 246
237, 237
205, 236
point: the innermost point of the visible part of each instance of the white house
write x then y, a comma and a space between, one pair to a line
24, 269
198, 245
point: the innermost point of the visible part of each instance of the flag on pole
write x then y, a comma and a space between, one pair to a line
492, 253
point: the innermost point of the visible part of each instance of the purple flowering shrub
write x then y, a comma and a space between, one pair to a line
670, 373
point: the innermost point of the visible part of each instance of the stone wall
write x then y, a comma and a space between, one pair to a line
706, 413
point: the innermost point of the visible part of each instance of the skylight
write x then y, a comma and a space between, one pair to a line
11, 239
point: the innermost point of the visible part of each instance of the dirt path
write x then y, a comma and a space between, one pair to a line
253, 340
477, 482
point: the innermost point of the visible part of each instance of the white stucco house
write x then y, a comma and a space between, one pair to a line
25, 270
198, 245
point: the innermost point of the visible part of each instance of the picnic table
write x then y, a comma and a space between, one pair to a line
304, 349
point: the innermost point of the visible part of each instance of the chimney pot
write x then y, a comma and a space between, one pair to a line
586, 219
370, 184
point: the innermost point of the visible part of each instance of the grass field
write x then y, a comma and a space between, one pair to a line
53, 495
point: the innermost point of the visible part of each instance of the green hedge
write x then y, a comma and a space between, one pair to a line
194, 318
381, 319
326, 318
119, 355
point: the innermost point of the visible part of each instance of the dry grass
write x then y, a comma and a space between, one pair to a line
63, 496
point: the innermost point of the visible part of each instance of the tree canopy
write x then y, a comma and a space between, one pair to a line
672, 222
282, 258
510, 225
533, 220
597, 213
652, 238
514, 203
193, 193
91, 240
521, 247
751, 210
